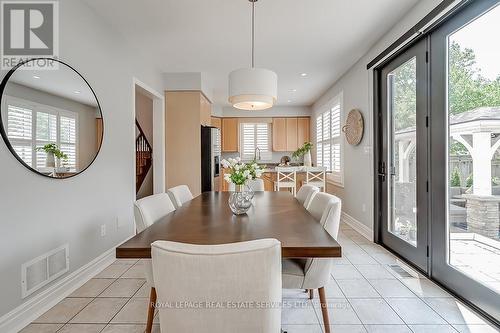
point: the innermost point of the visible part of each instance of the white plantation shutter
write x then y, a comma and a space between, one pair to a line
25, 152
255, 135
31, 125
19, 123
319, 140
217, 145
46, 132
46, 127
329, 140
20, 131
67, 138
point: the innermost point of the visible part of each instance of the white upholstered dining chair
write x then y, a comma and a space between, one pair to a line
257, 185
286, 177
148, 211
305, 194
179, 195
225, 274
315, 273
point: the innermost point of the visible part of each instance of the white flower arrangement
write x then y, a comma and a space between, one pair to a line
239, 172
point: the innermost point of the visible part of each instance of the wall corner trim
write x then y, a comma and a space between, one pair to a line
358, 226
24, 314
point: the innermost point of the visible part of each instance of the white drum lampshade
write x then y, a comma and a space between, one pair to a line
253, 88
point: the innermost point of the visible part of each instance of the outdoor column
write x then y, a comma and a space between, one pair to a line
481, 163
401, 162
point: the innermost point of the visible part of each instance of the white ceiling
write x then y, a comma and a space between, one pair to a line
62, 82
322, 38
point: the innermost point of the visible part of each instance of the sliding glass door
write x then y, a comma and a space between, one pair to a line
403, 160
465, 163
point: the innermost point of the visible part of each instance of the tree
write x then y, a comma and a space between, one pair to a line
468, 89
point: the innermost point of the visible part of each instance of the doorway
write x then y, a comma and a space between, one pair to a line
149, 140
438, 155
403, 160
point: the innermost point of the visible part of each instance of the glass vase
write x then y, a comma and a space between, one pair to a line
240, 200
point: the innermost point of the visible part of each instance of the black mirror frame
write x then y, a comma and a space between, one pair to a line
4, 134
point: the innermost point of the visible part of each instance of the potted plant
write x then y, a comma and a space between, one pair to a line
239, 173
304, 151
52, 152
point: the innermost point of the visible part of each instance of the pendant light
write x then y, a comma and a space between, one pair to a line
253, 88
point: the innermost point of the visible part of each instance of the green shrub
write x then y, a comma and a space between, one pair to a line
469, 181
455, 178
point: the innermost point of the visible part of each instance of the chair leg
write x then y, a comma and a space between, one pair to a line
151, 310
311, 293
324, 308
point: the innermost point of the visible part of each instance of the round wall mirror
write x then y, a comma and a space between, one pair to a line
50, 119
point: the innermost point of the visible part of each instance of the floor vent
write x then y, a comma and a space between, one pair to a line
40, 271
403, 273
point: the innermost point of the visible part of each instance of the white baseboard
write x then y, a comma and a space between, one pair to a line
358, 226
24, 314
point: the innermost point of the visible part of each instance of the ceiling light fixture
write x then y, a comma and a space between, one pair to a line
303, 74
253, 88
36, 77
77, 92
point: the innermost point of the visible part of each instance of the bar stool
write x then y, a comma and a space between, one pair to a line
316, 176
286, 178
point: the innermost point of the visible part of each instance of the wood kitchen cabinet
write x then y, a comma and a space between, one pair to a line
229, 134
290, 133
269, 178
303, 129
216, 122
205, 111
279, 134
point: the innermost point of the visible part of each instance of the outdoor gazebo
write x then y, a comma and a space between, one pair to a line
478, 131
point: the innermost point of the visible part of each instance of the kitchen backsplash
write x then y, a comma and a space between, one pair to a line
276, 156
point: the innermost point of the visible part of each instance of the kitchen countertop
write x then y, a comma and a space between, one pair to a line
297, 169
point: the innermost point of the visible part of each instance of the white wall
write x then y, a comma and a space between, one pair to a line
357, 87
38, 214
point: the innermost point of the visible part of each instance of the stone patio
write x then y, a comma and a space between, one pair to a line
476, 256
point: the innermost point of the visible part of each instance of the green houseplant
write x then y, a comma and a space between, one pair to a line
52, 152
304, 151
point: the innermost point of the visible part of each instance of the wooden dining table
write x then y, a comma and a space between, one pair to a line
208, 220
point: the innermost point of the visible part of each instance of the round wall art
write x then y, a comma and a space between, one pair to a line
353, 127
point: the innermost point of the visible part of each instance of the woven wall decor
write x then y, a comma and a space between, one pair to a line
354, 127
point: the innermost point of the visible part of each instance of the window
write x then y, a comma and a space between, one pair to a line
329, 140
253, 136
31, 125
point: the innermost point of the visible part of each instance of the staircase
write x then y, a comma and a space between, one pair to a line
143, 157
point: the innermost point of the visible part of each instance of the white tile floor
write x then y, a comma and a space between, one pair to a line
364, 295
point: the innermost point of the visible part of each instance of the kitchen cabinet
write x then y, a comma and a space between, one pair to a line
303, 128
279, 134
230, 134
205, 111
269, 178
216, 122
291, 134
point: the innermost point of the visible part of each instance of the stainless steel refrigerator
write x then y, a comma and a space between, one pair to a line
210, 158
